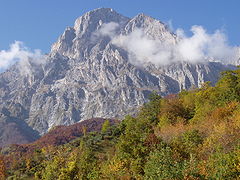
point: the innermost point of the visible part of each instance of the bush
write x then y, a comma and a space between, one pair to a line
162, 165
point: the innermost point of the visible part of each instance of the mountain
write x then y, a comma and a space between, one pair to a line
86, 75
194, 135
59, 135
15, 131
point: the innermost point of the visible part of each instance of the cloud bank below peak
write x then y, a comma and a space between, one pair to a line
200, 47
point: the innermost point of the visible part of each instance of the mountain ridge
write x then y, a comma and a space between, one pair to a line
82, 79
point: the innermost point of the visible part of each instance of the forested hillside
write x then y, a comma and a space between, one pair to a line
192, 135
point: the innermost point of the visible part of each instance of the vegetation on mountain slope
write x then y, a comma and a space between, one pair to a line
192, 135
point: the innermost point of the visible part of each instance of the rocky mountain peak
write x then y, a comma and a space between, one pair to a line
69, 43
64, 41
144, 19
91, 21
151, 27
86, 77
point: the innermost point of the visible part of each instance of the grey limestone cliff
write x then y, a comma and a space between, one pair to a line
83, 77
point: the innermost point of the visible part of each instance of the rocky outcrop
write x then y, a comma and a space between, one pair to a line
86, 76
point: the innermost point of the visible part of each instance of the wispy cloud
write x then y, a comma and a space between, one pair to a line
19, 53
107, 29
170, 25
197, 48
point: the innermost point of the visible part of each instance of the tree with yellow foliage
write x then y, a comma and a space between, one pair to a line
2, 169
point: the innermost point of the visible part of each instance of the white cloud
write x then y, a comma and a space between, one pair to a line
19, 53
142, 49
200, 47
106, 29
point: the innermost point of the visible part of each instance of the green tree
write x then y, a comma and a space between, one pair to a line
151, 109
131, 146
223, 166
105, 126
162, 165
188, 142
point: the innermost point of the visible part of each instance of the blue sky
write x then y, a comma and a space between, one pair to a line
39, 23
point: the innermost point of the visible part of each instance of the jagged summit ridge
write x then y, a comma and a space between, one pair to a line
84, 78
100, 15
153, 28
93, 19
69, 43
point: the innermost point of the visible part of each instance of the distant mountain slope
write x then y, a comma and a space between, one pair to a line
58, 136
64, 134
86, 75
15, 131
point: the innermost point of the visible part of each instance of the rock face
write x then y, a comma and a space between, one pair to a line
15, 131
85, 77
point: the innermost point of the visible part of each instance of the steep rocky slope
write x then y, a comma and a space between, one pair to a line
86, 75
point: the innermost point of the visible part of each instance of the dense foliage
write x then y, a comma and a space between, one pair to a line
192, 135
